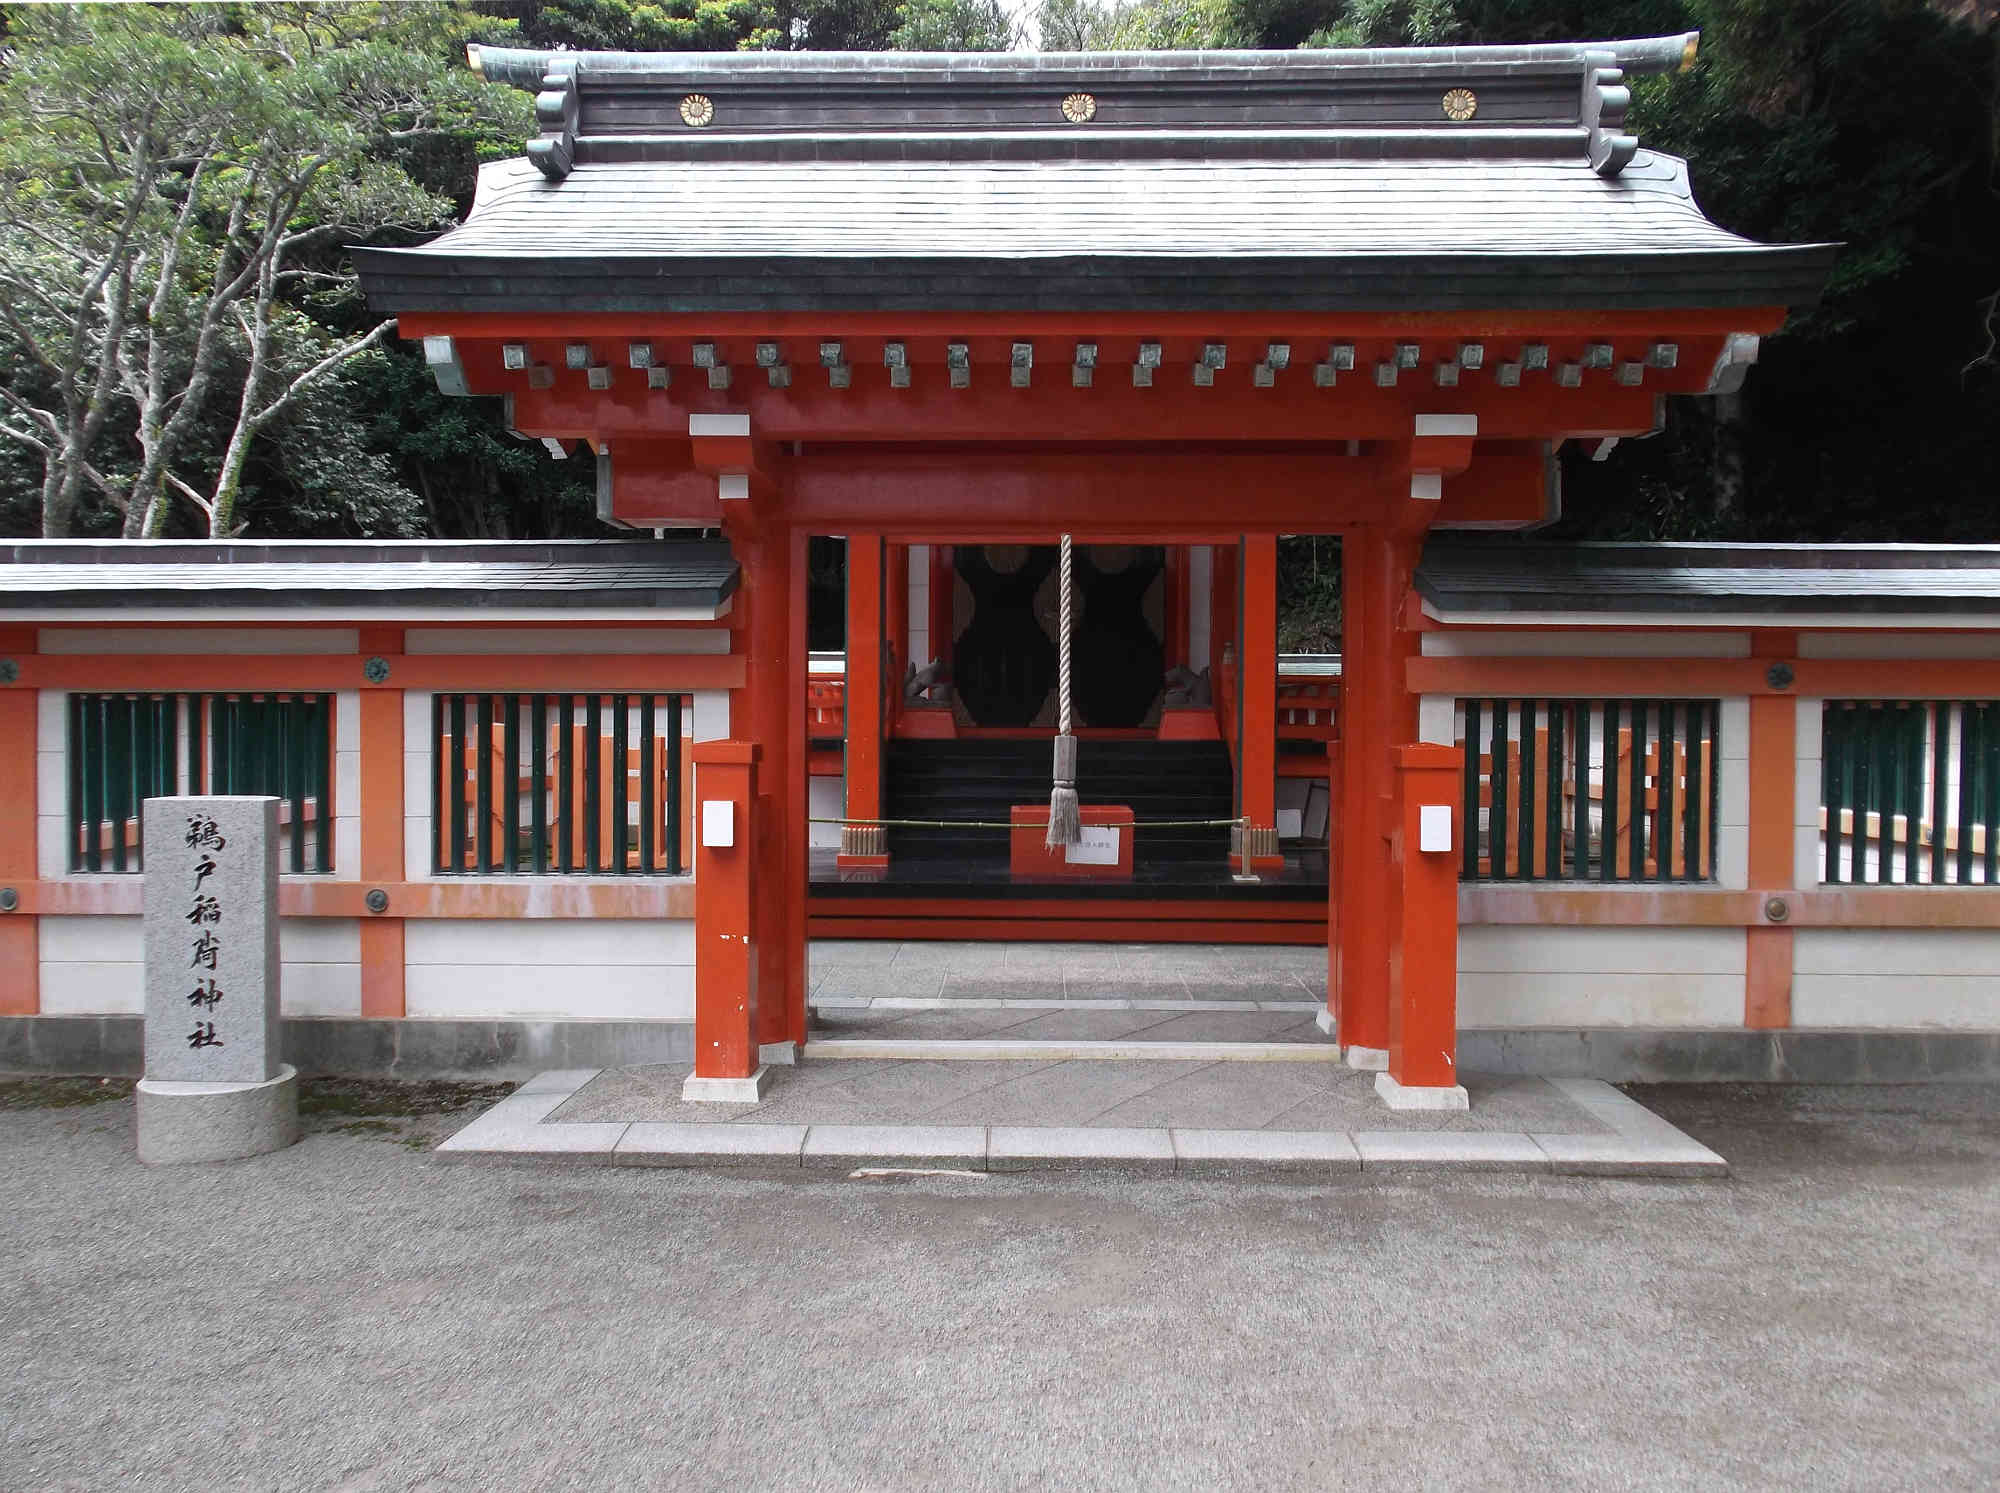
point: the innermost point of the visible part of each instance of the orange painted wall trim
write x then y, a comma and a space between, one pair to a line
435, 671
20, 938
1767, 982
381, 820
312, 897
1857, 679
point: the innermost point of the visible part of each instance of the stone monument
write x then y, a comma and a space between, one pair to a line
214, 1087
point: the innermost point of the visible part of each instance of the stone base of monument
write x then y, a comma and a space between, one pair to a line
180, 1122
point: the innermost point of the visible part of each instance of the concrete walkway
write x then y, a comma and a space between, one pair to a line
1300, 1121
1147, 1058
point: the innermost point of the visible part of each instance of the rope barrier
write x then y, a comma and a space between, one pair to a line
1032, 824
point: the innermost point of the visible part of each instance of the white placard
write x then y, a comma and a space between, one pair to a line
1096, 845
1434, 827
718, 823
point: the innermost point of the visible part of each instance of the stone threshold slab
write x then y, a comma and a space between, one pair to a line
846, 1003
995, 1050
1640, 1144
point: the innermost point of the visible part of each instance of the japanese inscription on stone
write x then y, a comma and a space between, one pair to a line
211, 939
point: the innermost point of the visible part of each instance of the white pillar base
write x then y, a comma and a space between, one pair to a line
182, 1122
1323, 1019
779, 1054
1368, 1059
698, 1090
1398, 1096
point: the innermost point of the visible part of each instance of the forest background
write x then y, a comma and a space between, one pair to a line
183, 351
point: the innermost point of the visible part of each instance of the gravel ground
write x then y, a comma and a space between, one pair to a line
357, 1313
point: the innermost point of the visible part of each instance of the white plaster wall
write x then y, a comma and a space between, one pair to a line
1732, 793
920, 605
51, 783
1570, 977
95, 966
533, 641
1561, 643
417, 786
1200, 590
1896, 977
1809, 744
208, 640
548, 969
1904, 645
826, 798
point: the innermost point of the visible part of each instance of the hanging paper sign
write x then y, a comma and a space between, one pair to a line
1096, 845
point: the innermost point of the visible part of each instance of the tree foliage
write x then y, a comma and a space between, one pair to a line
176, 183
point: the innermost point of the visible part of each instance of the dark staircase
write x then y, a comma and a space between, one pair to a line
982, 779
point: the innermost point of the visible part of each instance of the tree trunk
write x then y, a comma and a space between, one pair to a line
1727, 466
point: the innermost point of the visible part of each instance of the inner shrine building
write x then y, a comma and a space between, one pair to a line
952, 309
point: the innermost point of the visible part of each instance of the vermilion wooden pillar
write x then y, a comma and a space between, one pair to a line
1423, 950
380, 813
864, 846
20, 940
1774, 760
726, 972
796, 795
895, 620
777, 725
943, 590
1257, 676
1377, 712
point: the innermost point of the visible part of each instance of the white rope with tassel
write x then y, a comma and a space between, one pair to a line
1063, 818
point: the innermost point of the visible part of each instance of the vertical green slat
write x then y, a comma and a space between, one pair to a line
1940, 749
1962, 861
197, 723
439, 746
1524, 834
78, 750
1638, 790
1701, 731
674, 785
1852, 786
1916, 723
482, 777
649, 787
1469, 852
1579, 855
1496, 813
1829, 753
456, 779
621, 719
1670, 735
593, 786
1989, 780
1879, 793
294, 714
1843, 840
538, 780
271, 732
1607, 837
510, 784
1552, 791
93, 783
323, 747
117, 769
1864, 757
566, 785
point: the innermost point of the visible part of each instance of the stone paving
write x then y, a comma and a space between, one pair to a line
1087, 1094
1147, 1057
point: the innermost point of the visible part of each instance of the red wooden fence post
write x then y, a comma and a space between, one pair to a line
1423, 953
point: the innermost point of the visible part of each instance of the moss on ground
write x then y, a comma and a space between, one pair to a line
61, 1093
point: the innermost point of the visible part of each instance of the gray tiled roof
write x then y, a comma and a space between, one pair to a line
1311, 181
313, 573
1460, 579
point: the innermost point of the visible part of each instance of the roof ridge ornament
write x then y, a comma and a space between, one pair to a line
554, 151
1605, 100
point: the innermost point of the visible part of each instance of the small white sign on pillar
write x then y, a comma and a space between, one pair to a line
1434, 828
